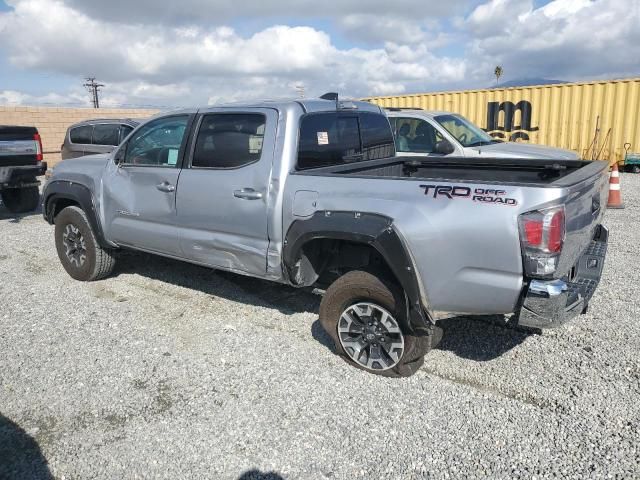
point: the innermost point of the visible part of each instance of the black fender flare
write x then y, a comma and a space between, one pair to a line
78, 193
375, 230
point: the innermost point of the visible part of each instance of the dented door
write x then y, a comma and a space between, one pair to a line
223, 191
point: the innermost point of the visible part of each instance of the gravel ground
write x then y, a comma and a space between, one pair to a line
168, 370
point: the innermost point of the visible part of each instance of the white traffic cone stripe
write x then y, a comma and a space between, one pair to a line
615, 174
614, 186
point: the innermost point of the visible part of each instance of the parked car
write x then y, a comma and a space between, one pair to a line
309, 193
427, 133
20, 165
96, 136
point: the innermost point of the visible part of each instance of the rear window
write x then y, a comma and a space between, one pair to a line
106, 134
338, 138
81, 134
377, 139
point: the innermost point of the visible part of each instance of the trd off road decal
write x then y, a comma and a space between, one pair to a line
484, 195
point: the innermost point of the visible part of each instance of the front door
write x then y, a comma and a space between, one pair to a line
224, 188
140, 187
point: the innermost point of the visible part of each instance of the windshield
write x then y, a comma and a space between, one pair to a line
464, 131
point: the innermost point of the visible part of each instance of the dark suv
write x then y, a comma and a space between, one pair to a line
96, 136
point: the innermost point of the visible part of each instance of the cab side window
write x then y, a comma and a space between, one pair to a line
328, 139
157, 143
229, 140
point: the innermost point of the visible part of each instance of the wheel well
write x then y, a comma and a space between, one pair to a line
59, 204
323, 260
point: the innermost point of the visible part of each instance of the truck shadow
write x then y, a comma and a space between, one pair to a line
258, 475
474, 338
20, 455
481, 338
218, 283
17, 217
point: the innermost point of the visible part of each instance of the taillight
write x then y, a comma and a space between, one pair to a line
542, 236
38, 142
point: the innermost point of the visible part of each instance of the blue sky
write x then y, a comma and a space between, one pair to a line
153, 52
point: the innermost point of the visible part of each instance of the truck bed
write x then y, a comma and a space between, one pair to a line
522, 172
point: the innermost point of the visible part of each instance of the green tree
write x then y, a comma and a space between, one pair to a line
498, 73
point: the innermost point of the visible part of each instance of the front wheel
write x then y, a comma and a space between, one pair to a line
79, 252
363, 315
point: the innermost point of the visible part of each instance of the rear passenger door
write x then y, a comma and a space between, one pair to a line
223, 192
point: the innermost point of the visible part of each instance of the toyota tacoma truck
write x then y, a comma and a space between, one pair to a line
310, 193
20, 165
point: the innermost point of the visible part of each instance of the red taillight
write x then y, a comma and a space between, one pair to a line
556, 232
38, 140
542, 236
533, 232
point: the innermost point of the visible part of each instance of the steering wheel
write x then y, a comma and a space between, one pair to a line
463, 138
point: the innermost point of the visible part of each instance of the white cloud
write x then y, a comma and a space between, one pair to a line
567, 39
194, 63
176, 54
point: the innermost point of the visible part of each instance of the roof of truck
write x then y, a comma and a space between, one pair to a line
308, 104
399, 112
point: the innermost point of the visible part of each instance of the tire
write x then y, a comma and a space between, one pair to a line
21, 200
79, 252
635, 169
367, 296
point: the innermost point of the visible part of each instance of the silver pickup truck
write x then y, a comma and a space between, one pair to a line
309, 193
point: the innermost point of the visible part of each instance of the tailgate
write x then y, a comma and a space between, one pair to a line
18, 146
585, 203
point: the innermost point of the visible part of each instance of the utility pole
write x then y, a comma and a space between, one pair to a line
93, 87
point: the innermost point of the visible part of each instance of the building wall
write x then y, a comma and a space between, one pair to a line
595, 119
52, 123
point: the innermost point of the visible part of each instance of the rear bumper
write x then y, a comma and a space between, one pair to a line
21, 176
549, 304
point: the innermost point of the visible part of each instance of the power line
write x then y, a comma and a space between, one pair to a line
93, 87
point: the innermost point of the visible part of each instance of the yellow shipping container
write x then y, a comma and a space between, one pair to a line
595, 119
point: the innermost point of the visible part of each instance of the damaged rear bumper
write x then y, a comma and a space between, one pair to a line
549, 304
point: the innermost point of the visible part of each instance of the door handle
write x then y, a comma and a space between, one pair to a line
166, 187
247, 194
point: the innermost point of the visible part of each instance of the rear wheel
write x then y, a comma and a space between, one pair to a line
363, 314
79, 252
21, 200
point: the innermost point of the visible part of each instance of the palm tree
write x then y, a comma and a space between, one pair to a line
498, 73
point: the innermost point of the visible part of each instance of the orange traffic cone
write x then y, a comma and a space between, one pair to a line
615, 196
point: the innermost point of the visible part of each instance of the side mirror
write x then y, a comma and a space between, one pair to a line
444, 147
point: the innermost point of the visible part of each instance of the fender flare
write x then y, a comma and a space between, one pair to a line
78, 193
377, 231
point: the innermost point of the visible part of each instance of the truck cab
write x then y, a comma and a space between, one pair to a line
438, 133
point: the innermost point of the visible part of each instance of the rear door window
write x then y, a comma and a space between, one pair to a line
229, 140
328, 139
106, 134
81, 135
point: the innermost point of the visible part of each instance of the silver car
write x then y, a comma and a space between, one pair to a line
96, 136
427, 133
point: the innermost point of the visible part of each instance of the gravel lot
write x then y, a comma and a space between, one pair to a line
169, 370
